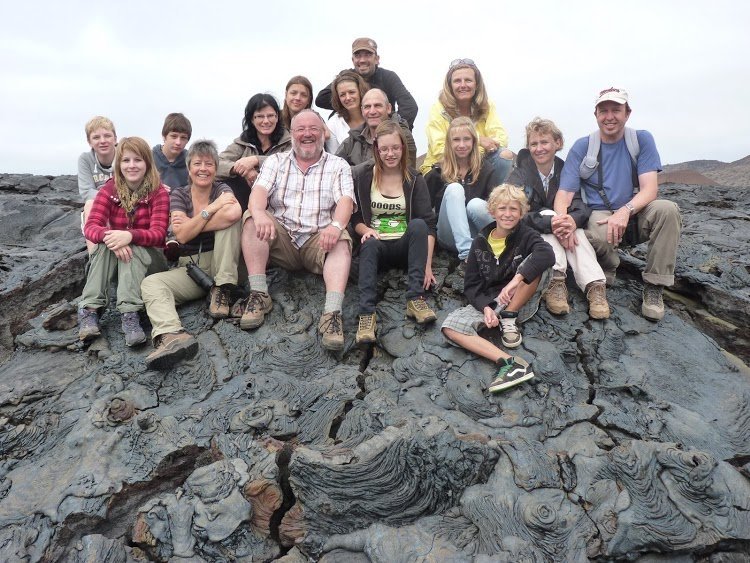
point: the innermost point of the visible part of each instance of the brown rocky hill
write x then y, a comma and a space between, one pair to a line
708, 172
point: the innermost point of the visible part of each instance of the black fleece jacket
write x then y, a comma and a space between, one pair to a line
525, 253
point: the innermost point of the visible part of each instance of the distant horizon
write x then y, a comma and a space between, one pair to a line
682, 64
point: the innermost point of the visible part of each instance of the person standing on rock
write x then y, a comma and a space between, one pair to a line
95, 166
504, 280
366, 60
206, 223
128, 224
299, 207
537, 171
619, 183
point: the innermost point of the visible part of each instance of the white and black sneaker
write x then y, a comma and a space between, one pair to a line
513, 370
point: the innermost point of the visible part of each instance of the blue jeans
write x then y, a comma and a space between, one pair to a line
459, 222
502, 165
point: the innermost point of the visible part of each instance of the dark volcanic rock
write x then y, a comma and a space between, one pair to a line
631, 443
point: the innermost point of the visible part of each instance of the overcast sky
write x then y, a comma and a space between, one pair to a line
686, 65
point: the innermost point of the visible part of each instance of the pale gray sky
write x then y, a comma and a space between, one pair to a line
685, 64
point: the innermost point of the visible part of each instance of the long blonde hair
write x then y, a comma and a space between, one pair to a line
450, 169
130, 197
480, 104
386, 128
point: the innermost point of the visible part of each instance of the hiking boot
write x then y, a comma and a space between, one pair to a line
511, 336
653, 304
513, 370
420, 311
331, 327
131, 326
366, 329
461, 269
258, 305
218, 306
597, 298
170, 349
556, 296
88, 324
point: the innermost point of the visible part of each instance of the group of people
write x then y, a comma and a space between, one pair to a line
296, 192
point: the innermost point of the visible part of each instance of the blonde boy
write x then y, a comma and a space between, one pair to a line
95, 166
506, 263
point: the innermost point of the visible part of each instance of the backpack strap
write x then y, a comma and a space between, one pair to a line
592, 161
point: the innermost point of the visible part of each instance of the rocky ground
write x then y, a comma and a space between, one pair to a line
631, 443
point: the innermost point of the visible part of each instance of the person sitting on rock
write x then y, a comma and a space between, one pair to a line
621, 189
357, 148
507, 262
464, 94
297, 216
170, 155
396, 224
349, 89
262, 135
459, 187
95, 166
205, 220
128, 224
538, 171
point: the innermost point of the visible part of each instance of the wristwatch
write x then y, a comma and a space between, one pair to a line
629, 206
337, 225
206, 214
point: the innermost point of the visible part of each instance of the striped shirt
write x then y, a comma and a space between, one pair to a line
304, 202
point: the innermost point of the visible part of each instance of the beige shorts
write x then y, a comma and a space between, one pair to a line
282, 252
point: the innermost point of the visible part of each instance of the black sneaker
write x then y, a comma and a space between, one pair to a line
513, 370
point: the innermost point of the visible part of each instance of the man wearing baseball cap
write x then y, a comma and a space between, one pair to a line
365, 59
619, 184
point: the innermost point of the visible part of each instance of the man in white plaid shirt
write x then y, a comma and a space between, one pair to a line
299, 207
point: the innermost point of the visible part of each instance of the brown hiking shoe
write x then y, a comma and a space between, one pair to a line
597, 297
88, 324
366, 329
218, 306
420, 311
170, 349
556, 296
331, 328
653, 304
258, 305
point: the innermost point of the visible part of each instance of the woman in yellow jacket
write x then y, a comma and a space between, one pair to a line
464, 94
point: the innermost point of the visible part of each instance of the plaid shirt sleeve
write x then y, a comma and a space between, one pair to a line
98, 219
158, 210
343, 184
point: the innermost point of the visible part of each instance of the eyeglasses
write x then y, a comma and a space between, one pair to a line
395, 149
312, 129
456, 62
266, 117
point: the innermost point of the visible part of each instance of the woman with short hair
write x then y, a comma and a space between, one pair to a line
205, 222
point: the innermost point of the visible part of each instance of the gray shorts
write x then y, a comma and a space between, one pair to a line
467, 320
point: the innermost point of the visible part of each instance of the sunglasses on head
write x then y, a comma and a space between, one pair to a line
456, 62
